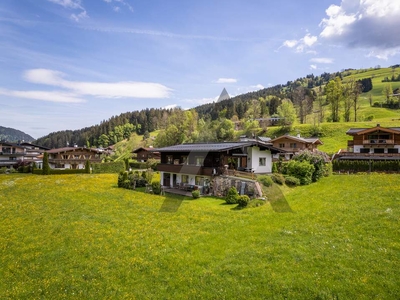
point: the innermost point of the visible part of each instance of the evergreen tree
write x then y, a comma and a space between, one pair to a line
46, 166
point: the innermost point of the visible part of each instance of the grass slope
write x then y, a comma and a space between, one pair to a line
78, 236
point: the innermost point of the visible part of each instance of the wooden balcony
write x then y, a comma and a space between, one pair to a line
186, 169
368, 155
74, 160
378, 142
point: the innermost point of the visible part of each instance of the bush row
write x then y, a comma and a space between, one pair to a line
60, 172
108, 167
355, 166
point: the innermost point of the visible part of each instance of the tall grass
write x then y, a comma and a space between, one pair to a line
80, 237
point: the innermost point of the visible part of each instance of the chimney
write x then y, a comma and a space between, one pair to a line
298, 135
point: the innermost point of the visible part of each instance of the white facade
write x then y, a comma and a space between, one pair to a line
357, 149
260, 161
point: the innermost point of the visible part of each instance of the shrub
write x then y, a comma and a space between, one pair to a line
196, 194
302, 170
46, 167
278, 178
275, 167
243, 200
87, 167
110, 167
265, 180
317, 159
156, 186
369, 118
3, 170
292, 181
232, 196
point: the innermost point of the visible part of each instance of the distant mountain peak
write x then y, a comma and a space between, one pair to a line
224, 96
14, 135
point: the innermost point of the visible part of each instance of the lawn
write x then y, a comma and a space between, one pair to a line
80, 237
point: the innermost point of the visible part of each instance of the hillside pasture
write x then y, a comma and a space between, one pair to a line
80, 237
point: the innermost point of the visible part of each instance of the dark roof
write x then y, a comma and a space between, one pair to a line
215, 147
69, 149
311, 140
353, 131
144, 148
26, 144
203, 147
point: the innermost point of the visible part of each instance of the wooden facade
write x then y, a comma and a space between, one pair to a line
72, 157
144, 154
10, 154
293, 144
377, 143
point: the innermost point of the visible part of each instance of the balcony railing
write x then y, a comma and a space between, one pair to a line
378, 142
73, 160
350, 154
188, 169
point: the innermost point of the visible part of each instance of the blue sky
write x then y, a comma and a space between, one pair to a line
68, 64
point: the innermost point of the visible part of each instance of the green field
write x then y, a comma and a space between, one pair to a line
80, 237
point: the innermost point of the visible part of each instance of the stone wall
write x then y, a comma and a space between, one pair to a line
221, 184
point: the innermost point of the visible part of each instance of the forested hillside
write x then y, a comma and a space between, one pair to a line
346, 96
14, 135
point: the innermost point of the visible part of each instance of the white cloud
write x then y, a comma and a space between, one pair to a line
313, 67
73, 4
226, 80
53, 96
306, 42
125, 89
258, 86
122, 2
79, 16
171, 106
365, 24
322, 60
290, 43
201, 101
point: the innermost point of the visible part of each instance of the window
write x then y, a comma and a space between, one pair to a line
185, 179
293, 145
199, 180
281, 145
262, 162
364, 150
184, 160
393, 150
379, 150
199, 160
170, 159
176, 161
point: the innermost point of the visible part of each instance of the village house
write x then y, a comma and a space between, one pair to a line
72, 157
195, 165
293, 144
144, 154
376, 143
10, 154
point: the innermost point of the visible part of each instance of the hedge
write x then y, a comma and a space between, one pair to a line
60, 172
109, 167
354, 166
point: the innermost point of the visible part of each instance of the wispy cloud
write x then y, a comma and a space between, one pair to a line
313, 67
164, 34
125, 89
117, 8
52, 96
171, 106
226, 80
322, 60
75, 5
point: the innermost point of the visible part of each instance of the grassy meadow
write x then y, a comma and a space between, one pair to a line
80, 237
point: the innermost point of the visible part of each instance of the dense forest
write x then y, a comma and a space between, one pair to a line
327, 97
